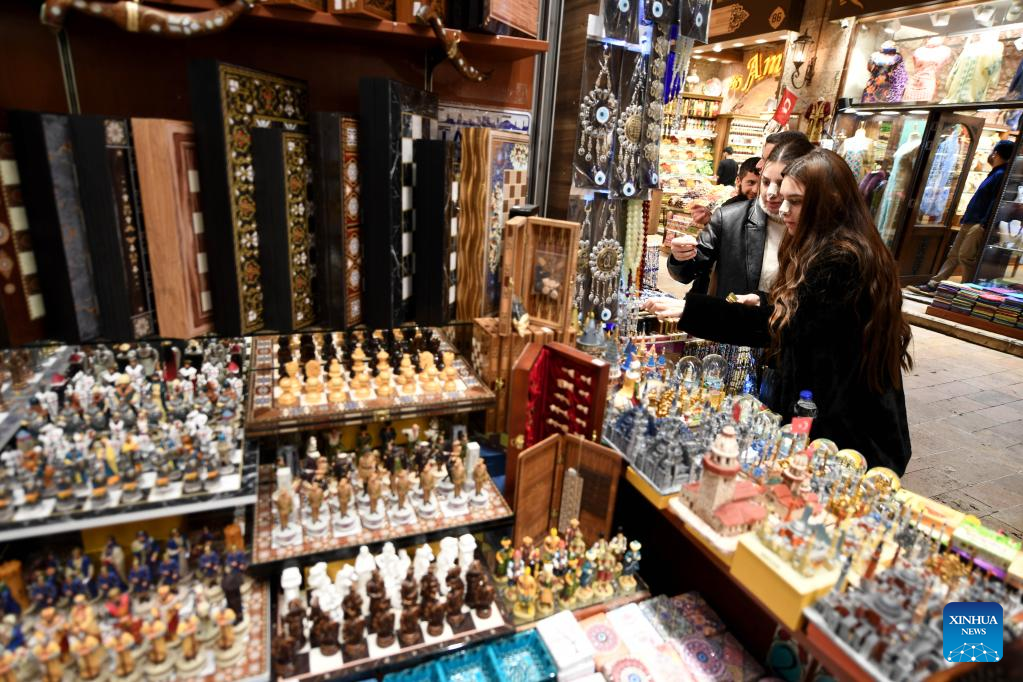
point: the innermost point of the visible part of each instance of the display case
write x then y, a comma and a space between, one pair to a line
959, 54
744, 134
687, 143
1003, 247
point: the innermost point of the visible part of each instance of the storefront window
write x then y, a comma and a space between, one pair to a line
962, 54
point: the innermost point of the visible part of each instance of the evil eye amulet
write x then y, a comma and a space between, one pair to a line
603, 113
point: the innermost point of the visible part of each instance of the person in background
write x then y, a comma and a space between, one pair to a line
969, 242
701, 214
728, 168
833, 316
742, 238
747, 183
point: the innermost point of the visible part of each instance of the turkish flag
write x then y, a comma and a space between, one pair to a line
785, 107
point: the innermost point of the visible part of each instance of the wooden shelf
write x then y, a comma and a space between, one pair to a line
483, 45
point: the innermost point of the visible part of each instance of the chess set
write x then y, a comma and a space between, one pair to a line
340, 378
381, 610
371, 497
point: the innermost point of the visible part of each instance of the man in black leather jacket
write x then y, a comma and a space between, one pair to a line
735, 238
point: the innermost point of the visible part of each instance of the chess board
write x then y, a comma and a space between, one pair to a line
265, 415
310, 664
266, 550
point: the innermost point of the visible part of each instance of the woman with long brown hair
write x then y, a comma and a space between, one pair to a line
833, 318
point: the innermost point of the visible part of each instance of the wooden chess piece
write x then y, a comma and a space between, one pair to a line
383, 626
400, 487
314, 494
285, 505
457, 476
384, 389
409, 630
366, 464
409, 589
455, 599
358, 360
344, 495
427, 481
294, 621
434, 612
354, 638
313, 391
480, 476
290, 385
283, 650
326, 634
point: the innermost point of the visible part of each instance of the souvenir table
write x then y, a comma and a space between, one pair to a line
266, 415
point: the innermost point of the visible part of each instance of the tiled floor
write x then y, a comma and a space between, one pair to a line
965, 407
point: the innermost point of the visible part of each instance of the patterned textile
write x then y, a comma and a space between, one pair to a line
923, 82
975, 70
887, 79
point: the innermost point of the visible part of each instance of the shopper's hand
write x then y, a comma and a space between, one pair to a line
748, 299
684, 247
664, 307
700, 213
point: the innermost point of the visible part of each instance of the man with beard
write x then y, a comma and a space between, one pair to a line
741, 240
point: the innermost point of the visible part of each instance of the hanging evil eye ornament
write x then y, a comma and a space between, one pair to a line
606, 262
629, 133
582, 259
597, 114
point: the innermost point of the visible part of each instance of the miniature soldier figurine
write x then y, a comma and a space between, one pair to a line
400, 487
363, 441
232, 586
155, 632
344, 495
502, 560
480, 476
374, 489
122, 645
285, 503
140, 578
427, 481
458, 476
49, 655
314, 493
526, 589
630, 567
569, 585
170, 570
209, 563
545, 581
366, 465
225, 620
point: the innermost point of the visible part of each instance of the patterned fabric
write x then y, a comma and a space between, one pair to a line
856, 156
975, 70
923, 82
902, 167
939, 180
353, 221
887, 79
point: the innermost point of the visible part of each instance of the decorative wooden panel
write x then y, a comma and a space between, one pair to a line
436, 232
337, 218
168, 168
392, 117
489, 158
21, 299
281, 162
108, 186
371, 9
600, 469
228, 102
49, 184
538, 471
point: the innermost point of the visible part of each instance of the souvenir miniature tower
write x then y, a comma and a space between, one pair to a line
720, 467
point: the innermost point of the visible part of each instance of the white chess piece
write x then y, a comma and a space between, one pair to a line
344, 580
446, 559
421, 564
466, 551
402, 564
364, 565
386, 558
291, 581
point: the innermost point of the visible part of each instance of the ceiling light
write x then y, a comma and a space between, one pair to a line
984, 14
712, 59
888, 113
717, 48
892, 27
940, 19
760, 41
738, 45
918, 112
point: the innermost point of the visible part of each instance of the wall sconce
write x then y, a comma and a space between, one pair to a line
800, 49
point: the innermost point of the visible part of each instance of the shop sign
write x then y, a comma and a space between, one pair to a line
840, 9
759, 67
730, 19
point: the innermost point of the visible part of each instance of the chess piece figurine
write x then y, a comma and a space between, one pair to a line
383, 626
480, 476
290, 385
410, 632
630, 567
526, 592
294, 622
455, 599
283, 652
353, 635
313, 390
409, 589
373, 517
229, 648
50, 657
546, 586
90, 655
569, 585
287, 532
458, 476
231, 584
324, 634
190, 661
155, 633
427, 482
122, 646
434, 613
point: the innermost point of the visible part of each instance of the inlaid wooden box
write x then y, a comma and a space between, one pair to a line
561, 478
555, 389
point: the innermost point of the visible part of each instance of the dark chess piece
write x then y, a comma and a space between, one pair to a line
474, 580
232, 586
353, 634
486, 599
352, 605
429, 589
325, 631
456, 599
382, 623
409, 632
294, 621
283, 648
377, 593
435, 612
409, 590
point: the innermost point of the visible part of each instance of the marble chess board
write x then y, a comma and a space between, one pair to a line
266, 547
266, 415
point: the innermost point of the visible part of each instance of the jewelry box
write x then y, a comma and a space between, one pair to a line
555, 389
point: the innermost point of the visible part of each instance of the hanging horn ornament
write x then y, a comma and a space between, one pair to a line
137, 18
597, 114
428, 15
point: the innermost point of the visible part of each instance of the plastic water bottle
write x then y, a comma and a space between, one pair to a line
805, 406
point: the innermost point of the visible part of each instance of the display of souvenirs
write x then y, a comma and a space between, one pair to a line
563, 572
383, 606
317, 504
891, 622
516, 658
343, 378
127, 427
174, 613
